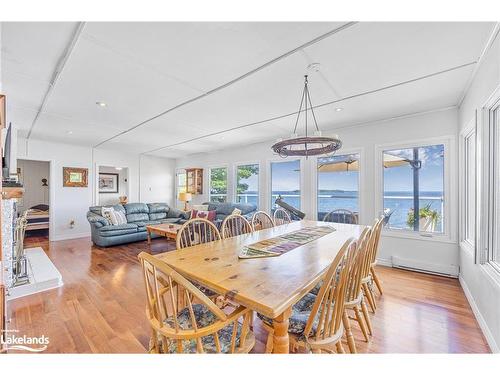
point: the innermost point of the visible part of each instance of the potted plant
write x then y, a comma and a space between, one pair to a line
428, 218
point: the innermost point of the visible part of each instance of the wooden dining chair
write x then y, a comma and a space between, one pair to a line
354, 295
234, 225
341, 216
367, 277
281, 217
261, 220
316, 321
199, 327
196, 231
374, 253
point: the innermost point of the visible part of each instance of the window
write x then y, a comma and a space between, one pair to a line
218, 184
285, 182
181, 182
494, 255
247, 184
469, 188
338, 184
414, 182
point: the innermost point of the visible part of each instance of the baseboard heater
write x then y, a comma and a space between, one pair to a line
433, 269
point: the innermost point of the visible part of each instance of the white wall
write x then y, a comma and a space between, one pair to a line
444, 254
114, 198
482, 286
69, 203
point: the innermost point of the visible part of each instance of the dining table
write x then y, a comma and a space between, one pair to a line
270, 285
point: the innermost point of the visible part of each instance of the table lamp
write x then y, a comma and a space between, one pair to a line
185, 197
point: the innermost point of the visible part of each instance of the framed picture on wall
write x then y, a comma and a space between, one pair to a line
75, 177
108, 182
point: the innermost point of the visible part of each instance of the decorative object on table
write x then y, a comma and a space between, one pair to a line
108, 182
236, 211
123, 199
75, 177
186, 198
307, 145
283, 244
20, 263
194, 180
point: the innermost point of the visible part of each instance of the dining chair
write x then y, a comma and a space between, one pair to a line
234, 225
200, 326
374, 255
261, 220
367, 277
281, 217
341, 216
354, 295
194, 232
315, 323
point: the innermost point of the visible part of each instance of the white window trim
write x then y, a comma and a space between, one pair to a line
229, 197
266, 206
178, 203
449, 234
235, 179
465, 134
361, 178
485, 186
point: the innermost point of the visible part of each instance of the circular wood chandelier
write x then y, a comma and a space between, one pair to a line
306, 145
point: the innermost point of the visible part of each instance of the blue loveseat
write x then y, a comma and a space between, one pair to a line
138, 216
225, 209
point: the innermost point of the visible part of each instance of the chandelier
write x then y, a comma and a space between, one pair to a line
306, 145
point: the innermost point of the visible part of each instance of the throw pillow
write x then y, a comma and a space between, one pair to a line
120, 217
209, 215
236, 211
109, 214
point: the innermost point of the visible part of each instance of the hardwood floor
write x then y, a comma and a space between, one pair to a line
100, 308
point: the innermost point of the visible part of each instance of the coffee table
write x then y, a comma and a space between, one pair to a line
166, 230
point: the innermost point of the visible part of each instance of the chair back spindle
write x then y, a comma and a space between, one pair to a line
261, 220
235, 225
196, 231
340, 216
281, 217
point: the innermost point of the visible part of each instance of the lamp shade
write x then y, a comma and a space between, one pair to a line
185, 197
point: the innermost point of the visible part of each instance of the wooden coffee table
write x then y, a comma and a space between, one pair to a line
166, 230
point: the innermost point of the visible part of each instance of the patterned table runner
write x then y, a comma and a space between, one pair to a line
282, 244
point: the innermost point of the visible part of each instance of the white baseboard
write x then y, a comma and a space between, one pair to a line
479, 317
70, 236
442, 269
384, 262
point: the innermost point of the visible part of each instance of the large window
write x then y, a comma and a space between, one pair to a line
338, 184
414, 188
285, 182
181, 181
247, 184
218, 184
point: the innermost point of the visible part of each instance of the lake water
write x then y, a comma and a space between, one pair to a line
398, 202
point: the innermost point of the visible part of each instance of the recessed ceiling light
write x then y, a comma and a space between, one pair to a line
338, 109
69, 132
314, 67
101, 104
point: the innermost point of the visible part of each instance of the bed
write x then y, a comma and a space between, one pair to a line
38, 217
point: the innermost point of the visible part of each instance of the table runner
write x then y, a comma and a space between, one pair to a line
282, 244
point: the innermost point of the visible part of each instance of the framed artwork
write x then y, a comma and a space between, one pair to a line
75, 177
108, 182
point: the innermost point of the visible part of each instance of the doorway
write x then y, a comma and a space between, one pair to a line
112, 185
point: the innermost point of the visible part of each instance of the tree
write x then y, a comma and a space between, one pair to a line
245, 172
218, 181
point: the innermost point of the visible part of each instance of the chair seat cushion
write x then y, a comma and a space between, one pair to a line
204, 317
299, 317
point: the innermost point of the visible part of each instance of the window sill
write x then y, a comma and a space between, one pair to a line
418, 236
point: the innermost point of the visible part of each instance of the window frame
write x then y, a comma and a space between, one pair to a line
361, 179
269, 190
450, 191
179, 204
487, 194
209, 179
464, 157
235, 178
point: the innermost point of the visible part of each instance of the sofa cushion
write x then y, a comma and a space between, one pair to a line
134, 218
228, 208
155, 208
110, 228
136, 208
113, 233
157, 215
147, 222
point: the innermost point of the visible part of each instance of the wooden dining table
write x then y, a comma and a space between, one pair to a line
270, 286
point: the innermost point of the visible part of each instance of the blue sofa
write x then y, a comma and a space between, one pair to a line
225, 209
138, 216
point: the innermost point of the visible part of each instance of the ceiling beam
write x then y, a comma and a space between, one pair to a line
233, 81
57, 72
317, 106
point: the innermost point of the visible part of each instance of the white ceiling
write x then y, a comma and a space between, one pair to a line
143, 69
